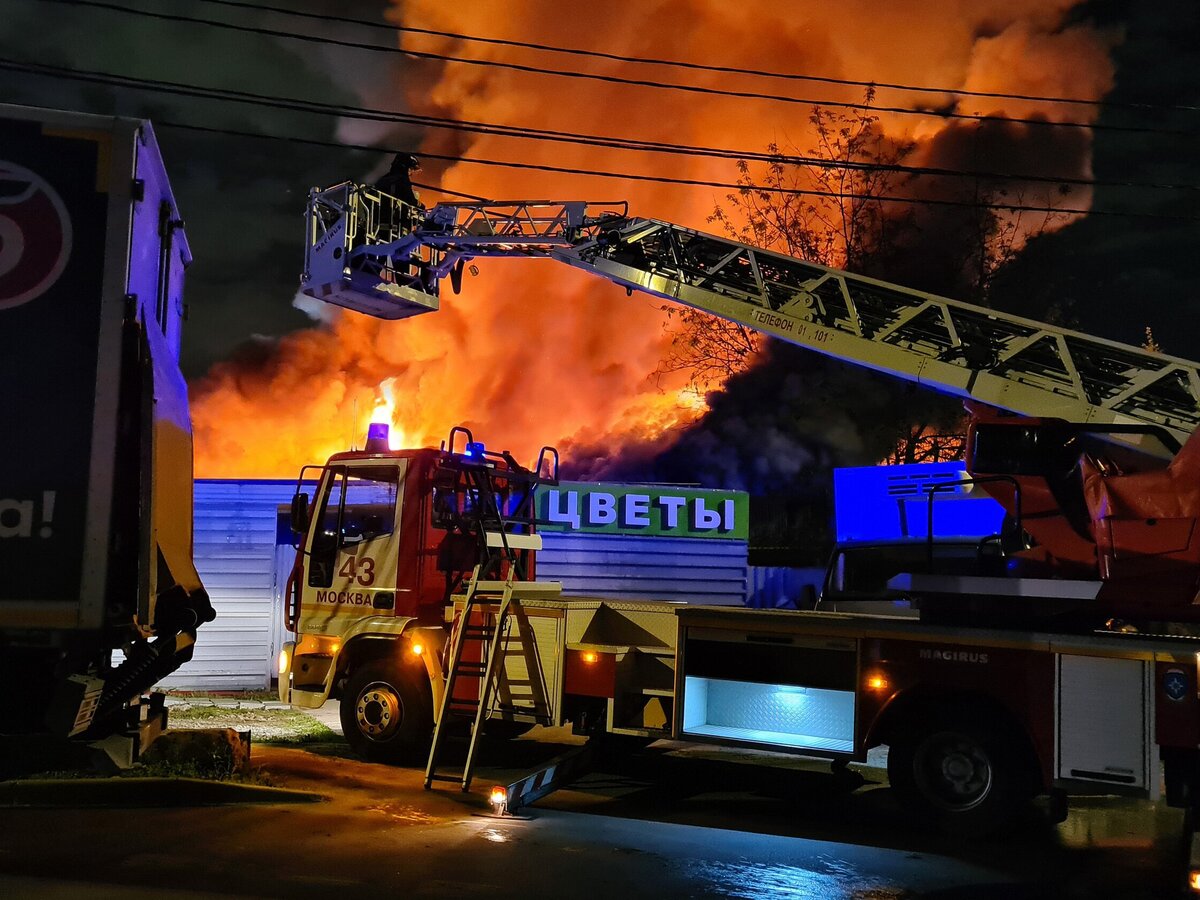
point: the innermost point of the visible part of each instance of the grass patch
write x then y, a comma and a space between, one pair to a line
218, 767
204, 770
214, 770
267, 726
288, 727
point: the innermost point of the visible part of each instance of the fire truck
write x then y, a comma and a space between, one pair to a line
1063, 659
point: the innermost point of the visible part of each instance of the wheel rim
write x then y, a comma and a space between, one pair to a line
379, 711
953, 771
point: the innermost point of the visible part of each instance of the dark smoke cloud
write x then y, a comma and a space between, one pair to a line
780, 427
1118, 276
941, 248
777, 428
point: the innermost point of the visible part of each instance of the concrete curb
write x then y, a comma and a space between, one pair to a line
141, 792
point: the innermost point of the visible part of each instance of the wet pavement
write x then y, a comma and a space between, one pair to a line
672, 821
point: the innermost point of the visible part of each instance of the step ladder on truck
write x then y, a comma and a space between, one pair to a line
1087, 443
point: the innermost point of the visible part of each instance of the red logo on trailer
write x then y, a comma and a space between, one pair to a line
35, 235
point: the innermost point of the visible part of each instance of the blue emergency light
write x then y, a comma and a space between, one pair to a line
377, 438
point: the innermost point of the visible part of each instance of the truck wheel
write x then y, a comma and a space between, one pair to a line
965, 775
387, 713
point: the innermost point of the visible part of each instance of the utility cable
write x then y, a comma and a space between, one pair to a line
842, 195
430, 187
701, 67
520, 133
688, 182
616, 79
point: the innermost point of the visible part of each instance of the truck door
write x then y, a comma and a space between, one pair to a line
351, 551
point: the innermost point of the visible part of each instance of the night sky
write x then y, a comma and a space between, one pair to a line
243, 199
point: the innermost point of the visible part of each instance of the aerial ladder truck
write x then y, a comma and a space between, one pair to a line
1066, 661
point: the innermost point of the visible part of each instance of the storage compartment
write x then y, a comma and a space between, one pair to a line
770, 689
644, 701
1104, 721
783, 715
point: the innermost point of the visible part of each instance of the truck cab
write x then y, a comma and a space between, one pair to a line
385, 540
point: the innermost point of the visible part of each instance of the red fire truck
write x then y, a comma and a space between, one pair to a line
1063, 660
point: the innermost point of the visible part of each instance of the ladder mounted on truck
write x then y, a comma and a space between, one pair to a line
488, 498
484, 623
362, 255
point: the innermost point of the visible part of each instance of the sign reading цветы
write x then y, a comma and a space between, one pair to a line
644, 510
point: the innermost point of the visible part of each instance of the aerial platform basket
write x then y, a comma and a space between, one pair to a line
356, 234
376, 254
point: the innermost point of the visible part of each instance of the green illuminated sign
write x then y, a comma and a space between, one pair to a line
644, 510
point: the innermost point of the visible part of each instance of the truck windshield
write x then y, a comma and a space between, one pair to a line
459, 502
360, 504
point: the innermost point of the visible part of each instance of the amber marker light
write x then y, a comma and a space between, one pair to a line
877, 682
499, 799
416, 648
590, 657
283, 662
1194, 881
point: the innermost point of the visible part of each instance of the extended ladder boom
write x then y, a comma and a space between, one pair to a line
371, 253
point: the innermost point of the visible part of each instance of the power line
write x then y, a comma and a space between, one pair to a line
628, 144
433, 187
615, 79
688, 182
841, 195
701, 67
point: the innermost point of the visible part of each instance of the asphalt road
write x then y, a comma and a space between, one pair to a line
673, 821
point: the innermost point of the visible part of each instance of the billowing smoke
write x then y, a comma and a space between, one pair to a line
533, 353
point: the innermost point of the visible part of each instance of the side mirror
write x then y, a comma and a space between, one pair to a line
300, 513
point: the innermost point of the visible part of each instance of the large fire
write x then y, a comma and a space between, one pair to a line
532, 353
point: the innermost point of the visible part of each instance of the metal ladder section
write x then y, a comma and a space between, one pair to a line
501, 599
973, 352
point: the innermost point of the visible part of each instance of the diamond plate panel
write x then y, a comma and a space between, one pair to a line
811, 712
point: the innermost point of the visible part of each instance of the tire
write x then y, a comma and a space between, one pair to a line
387, 713
966, 775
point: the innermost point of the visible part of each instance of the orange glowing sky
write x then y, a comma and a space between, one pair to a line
534, 353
